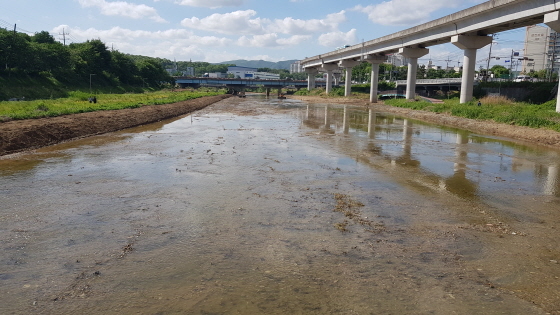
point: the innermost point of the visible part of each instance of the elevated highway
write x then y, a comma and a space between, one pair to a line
467, 29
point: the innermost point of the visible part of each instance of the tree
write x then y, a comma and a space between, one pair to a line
43, 37
90, 57
422, 72
153, 73
499, 71
124, 68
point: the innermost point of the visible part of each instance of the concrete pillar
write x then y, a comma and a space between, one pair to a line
348, 64
552, 19
374, 60
336, 77
329, 68
311, 73
412, 54
469, 44
329, 83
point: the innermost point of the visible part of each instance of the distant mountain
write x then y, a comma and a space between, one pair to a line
261, 64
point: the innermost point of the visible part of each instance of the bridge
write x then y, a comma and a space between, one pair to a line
239, 84
430, 85
467, 29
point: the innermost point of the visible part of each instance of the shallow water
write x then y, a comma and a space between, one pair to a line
255, 206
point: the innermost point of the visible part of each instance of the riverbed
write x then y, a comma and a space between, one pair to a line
266, 206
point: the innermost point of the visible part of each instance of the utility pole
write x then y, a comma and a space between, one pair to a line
64, 36
11, 47
447, 64
510, 64
91, 74
553, 55
489, 56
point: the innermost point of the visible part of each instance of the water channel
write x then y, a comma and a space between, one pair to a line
256, 206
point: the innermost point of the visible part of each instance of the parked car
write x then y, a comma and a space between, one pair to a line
522, 78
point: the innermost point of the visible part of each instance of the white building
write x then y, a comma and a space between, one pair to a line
536, 48
251, 73
296, 67
242, 72
397, 60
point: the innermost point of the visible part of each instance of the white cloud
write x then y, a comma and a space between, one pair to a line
246, 23
121, 8
271, 40
299, 27
266, 40
405, 12
238, 22
213, 4
294, 40
124, 36
336, 39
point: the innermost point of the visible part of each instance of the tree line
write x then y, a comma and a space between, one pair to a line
41, 55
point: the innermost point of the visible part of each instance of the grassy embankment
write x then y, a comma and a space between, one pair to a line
77, 102
498, 109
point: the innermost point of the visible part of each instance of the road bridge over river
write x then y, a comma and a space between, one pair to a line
240, 84
428, 85
468, 29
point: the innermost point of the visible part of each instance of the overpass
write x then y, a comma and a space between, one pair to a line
467, 29
430, 85
239, 84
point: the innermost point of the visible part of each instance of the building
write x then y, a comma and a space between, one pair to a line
397, 60
296, 67
536, 48
242, 72
251, 73
553, 56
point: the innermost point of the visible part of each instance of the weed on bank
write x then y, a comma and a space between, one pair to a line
498, 109
79, 102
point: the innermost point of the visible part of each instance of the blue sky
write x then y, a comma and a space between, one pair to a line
221, 30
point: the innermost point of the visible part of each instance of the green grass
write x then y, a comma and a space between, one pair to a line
77, 102
502, 111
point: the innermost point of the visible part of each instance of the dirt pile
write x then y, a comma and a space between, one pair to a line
28, 134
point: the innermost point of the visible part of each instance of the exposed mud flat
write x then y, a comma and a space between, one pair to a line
20, 135
254, 206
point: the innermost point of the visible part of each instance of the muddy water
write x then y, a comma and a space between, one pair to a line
255, 206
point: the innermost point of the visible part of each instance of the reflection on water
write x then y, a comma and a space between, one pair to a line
256, 206
453, 158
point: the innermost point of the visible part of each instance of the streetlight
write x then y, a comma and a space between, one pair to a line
90, 82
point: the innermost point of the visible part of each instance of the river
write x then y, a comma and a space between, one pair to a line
265, 206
